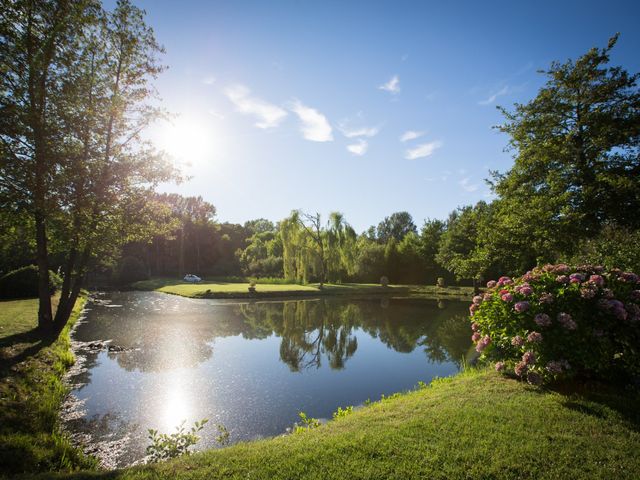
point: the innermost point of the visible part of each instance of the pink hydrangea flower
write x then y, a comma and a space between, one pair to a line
483, 343
534, 378
588, 292
534, 337
546, 298
517, 341
475, 337
507, 297
499, 366
504, 281
529, 358
472, 309
629, 277
475, 327
542, 319
554, 367
562, 279
491, 284
576, 278
521, 369
567, 321
521, 306
477, 300
597, 280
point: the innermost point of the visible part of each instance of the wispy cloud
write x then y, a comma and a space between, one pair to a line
268, 114
466, 185
359, 148
422, 150
209, 80
359, 132
315, 126
492, 98
392, 86
410, 135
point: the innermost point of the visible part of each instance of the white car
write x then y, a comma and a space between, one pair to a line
192, 278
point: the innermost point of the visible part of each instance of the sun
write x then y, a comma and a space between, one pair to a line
187, 139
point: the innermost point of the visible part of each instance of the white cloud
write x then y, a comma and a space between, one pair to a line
359, 132
466, 185
392, 86
503, 91
268, 114
422, 150
209, 80
410, 135
359, 148
315, 126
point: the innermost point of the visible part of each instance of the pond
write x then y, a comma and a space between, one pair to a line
251, 366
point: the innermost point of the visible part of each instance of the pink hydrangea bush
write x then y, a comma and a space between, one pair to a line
558, 321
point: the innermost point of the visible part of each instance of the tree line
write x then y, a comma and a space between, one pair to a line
77, 179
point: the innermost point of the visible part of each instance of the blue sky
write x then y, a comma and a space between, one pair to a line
300, 104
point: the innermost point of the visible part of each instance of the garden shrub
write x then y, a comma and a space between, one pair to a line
23, 283
558, 321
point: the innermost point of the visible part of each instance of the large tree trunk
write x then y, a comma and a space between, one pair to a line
45, 317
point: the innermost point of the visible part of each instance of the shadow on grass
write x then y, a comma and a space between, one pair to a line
33, 340
598, 399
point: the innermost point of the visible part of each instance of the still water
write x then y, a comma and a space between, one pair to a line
251, 366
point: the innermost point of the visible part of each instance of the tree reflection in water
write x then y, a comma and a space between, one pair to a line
311, 331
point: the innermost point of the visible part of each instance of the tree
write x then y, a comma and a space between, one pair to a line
74, 104
460, 249
38, 40
397, 226
577, 151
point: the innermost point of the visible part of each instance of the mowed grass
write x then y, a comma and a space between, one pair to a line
17, 317
223, 289
477, 425
31, 392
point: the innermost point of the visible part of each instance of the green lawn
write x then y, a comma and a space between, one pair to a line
477, 425
31, 392
213, 289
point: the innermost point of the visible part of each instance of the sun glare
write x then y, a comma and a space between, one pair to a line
187, 140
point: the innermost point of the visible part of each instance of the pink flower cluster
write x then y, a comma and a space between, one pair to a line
567, 321
542, 319
557, 311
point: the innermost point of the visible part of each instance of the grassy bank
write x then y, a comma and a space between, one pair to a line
31, 392
475, 425
220, 289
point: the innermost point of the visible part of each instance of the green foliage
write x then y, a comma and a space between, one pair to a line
614, 246
307, 423
559, 321
165, 446
23, 283
223, 437
342, 412
131, 269
396, 226
576, 154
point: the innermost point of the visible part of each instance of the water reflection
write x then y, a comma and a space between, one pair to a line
253, 366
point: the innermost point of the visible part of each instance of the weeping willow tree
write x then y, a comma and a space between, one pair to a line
313, 251
340, 240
